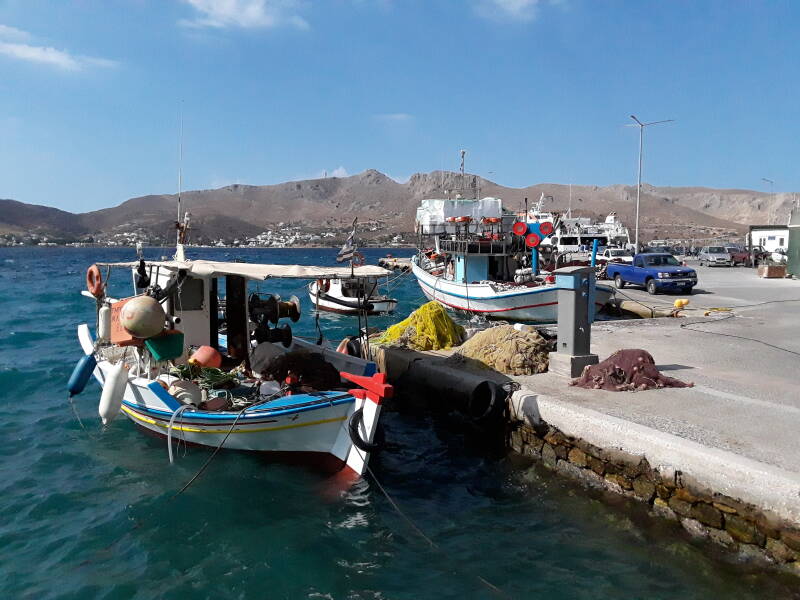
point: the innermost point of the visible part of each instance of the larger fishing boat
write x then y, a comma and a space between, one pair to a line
578, 234
181, 359
476, 257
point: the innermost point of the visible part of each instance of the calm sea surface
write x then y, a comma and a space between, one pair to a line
92, 515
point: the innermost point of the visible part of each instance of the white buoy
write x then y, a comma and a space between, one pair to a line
104, 323
113, 392
142, 317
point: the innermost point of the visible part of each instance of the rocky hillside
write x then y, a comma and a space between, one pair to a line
243, 210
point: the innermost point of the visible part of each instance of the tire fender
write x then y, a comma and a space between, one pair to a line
352, 428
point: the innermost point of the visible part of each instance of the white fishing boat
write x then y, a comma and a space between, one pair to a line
140, 350
350, 295
535, 300
476, 257
578, 234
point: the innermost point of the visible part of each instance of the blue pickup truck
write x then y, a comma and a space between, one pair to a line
657, 272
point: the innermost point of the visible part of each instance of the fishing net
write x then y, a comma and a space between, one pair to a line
626, 370
427, 328
505, 350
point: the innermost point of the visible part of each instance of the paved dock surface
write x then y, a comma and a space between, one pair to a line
745, 406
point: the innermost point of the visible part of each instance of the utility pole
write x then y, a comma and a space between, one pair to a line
641, 127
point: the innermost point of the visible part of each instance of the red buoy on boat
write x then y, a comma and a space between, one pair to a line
532, 240
519, 228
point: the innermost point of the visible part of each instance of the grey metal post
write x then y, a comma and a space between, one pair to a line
639, 179
575, 316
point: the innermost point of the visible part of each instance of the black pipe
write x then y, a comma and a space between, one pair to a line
471, 394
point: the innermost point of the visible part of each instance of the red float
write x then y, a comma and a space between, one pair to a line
532, 240
520, 228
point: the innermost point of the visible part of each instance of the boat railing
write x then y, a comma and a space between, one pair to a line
474, 246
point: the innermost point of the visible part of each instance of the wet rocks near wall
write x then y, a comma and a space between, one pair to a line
671, 494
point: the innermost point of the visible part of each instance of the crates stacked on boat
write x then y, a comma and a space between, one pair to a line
433, 214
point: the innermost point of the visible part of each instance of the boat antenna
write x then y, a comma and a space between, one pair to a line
180, 228
569, 210
463, 154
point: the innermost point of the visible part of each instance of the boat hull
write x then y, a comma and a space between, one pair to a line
380, 304
519, 303
306, 424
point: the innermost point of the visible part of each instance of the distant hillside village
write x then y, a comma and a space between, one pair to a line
283, 235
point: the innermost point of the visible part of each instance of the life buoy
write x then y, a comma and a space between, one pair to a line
94, 281
323, 285
463, 219
358, 259
491, 220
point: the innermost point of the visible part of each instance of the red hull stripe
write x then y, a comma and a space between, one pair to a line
481, 310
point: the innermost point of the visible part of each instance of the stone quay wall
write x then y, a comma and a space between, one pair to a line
671, 494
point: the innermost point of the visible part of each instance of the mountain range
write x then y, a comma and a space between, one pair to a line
331, 203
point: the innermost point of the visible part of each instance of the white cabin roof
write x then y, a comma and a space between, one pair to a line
258, 272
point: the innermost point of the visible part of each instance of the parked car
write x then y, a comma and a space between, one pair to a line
656, 272
714, 256
615, 255
738, 256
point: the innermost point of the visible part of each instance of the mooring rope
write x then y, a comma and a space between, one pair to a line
416, 528
211, 457
178, 411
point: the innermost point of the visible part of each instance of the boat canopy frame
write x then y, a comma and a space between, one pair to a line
257, 272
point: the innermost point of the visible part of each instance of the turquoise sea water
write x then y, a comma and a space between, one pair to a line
92, 515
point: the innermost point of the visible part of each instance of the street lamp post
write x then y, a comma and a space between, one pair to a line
772, 198
641, 127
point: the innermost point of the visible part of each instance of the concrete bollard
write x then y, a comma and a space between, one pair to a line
575, 315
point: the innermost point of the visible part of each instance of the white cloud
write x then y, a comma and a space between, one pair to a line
13, 34
393, 117
337, 172
245, 14
10, 45
513, 10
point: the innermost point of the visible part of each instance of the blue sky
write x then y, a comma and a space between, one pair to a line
273, 90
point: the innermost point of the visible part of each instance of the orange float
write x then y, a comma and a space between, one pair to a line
206, 356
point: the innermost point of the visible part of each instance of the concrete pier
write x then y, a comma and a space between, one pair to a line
721, 457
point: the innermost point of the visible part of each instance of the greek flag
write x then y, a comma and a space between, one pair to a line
349, 248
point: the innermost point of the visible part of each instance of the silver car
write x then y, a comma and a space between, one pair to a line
714, 256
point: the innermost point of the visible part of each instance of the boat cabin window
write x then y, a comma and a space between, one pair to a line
192, 294
358, 288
